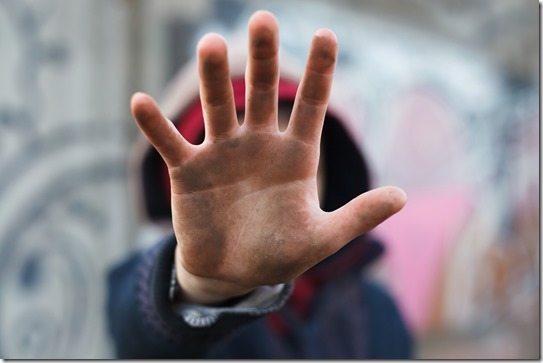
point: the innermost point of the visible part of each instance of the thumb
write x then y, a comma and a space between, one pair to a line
361, 215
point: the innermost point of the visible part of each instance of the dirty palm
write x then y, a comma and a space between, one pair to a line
245, 206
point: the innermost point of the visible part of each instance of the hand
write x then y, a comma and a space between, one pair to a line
245, 205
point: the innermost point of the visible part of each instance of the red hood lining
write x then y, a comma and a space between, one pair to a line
191, 122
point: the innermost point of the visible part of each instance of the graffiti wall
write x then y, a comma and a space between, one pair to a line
63, 210
445, 99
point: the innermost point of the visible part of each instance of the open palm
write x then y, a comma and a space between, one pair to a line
245, 205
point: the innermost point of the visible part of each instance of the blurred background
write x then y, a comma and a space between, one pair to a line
447, 94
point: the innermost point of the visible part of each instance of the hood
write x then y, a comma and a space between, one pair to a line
347, 174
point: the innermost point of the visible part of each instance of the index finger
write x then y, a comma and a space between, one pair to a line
314, 91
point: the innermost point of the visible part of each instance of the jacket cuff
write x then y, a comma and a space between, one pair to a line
263, 300
174, 323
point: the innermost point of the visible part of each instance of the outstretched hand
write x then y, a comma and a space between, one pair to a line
245, 205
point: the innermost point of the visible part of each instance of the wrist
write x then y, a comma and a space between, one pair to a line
205, 291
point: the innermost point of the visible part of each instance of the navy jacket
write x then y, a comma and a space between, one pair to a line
334, 312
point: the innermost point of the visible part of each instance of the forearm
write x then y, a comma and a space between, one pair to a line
205, 291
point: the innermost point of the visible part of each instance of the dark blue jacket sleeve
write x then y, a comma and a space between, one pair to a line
140, 316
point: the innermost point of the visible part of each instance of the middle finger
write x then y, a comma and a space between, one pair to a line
262, 74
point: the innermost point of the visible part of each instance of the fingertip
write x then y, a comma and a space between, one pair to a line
138, 97
140, 103
397, 198
211, 47
212, 39
263, 18
324, 49
326, 34
263, 34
